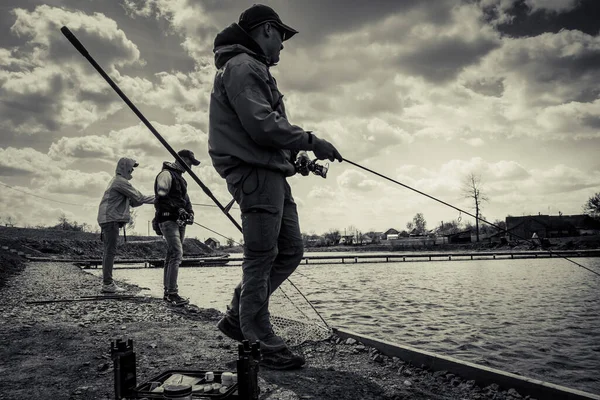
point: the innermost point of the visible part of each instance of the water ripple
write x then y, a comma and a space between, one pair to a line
534, 317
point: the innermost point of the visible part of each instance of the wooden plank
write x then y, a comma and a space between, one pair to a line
482, 375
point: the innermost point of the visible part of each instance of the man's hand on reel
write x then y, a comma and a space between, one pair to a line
185, 218
325, 151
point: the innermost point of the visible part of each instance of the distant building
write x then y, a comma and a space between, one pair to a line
347, 239
212, 243
460, 237
391, 234
551, 226
317, 241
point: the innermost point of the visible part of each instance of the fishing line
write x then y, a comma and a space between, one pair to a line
465, 212
43, 198
217, 233
208, 205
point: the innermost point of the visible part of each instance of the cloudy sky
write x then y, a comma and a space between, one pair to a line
425, 92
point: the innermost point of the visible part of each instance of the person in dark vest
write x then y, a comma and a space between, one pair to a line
173, 212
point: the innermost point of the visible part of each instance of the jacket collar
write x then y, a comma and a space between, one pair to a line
232, 41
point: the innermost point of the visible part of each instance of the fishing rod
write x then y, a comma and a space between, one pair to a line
86, 298
217, 233
77, 44
465, 212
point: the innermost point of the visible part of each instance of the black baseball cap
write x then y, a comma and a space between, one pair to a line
259, 14
189, 154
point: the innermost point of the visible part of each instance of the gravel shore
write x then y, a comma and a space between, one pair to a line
60, 350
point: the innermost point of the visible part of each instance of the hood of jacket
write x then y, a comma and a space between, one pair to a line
232, 41
173, 166
125, 167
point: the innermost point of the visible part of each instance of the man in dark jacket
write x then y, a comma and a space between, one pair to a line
173, 212
253, 146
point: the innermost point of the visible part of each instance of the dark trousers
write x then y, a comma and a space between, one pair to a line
174, 236
273, 248
110, 234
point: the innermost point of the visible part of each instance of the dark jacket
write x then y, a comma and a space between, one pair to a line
248, 125
167, 207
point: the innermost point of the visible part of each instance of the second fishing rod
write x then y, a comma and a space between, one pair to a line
225, 209
304, 165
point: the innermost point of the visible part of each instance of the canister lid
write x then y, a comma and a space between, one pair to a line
226, 378
177, 390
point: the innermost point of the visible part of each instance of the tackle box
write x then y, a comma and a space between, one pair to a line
196, 379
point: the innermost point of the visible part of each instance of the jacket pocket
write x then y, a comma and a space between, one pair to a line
260, 225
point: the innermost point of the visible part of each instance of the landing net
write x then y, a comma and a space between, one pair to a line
294, 318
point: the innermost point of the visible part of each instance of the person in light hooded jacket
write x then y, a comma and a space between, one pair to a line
114, 213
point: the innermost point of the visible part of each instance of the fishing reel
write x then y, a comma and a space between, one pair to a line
304, 165
185, 218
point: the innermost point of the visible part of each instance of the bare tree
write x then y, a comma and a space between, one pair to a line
9, 221
63, 222
333, 236
449, 227
592, 206
418, 224
472, 190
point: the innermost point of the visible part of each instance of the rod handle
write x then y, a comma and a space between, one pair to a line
74, 41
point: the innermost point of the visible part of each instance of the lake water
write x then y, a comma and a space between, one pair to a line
539, 318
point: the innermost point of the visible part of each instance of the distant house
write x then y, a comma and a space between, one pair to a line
368, 239
347, 239
551, 226
459, 237
391, 234
378, 236
212, 243
317, 241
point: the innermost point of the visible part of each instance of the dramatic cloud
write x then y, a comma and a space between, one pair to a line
135, 141
46, 83
425, 92
28, 161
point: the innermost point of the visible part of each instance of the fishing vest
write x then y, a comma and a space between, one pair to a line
167, 207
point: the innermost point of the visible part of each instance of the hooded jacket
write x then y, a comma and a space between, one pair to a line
248, 125
120, 195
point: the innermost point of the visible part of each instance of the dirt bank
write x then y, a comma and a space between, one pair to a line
73, 244
60, 350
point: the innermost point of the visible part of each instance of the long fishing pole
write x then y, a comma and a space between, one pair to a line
465, 212
77, 44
